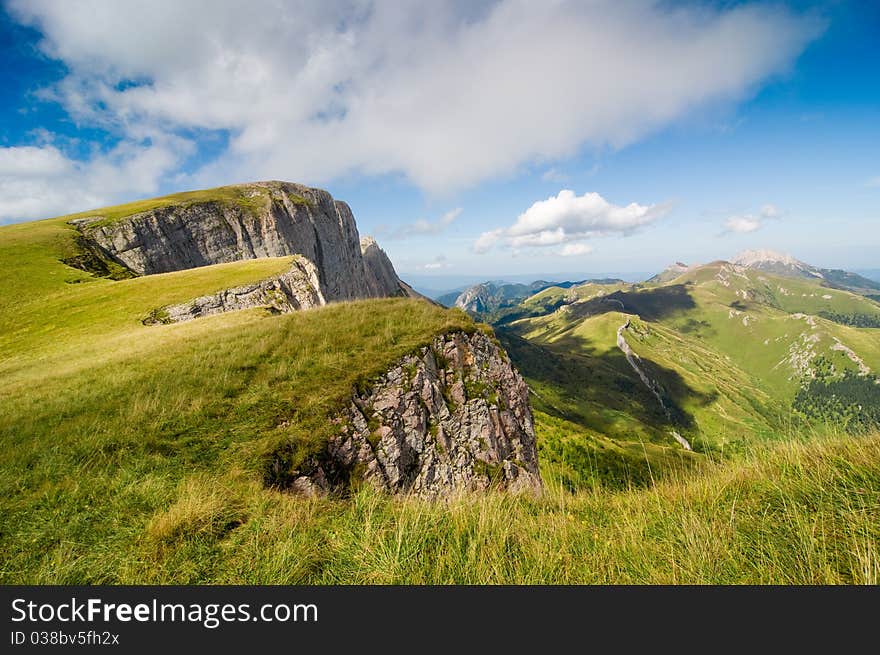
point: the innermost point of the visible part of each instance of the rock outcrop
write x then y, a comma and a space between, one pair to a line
296, 289
262, 219
453, 416
381, 277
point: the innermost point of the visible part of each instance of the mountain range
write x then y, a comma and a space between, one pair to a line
715, 356
213, 386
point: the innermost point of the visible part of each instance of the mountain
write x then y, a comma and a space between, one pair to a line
769, 261
670, 273
871, 274
232, 386
379, 272
246, 221
493, 301
163, 385
716, 358
491, 296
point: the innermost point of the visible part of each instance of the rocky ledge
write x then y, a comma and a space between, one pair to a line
247, 221
453, 416
296, 289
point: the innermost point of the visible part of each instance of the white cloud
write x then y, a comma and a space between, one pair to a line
742, 224
575, 249
31, 161
446, 93
422, 226
567, 218
487, 240
437, 263
40, 181
747, 223
873, 182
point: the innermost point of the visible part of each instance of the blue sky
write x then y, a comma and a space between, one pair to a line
485, 139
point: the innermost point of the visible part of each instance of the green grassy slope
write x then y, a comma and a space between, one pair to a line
139, 454
102, 417
729, 349
249, 197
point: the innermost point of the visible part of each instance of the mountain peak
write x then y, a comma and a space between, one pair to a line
749, 258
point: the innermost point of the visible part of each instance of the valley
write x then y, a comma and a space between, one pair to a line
722, 355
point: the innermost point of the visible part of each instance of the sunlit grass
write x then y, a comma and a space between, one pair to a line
135, 454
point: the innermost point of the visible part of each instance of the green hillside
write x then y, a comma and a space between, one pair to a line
134, 453
734, 354
103, 417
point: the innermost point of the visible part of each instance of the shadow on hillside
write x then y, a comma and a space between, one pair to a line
650, 304
582, 383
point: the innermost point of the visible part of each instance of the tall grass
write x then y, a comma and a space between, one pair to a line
134, 454
804, 514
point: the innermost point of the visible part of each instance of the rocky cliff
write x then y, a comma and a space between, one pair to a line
262, 219
454, 415
296, 289
381, 277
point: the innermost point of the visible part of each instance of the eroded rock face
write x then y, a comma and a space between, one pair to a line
454, 416
275, 219
380, 274
296, 289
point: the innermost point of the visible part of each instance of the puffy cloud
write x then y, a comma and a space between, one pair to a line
41, 181
742, 224
487, 240
752, 222
575, 249
422, 226
32, 161
567, 218
447, 93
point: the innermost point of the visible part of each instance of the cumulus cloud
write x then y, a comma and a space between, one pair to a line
742, 224
567, 218
445, 93
41, 181
746, 223
422, 226
487, 240
575, 249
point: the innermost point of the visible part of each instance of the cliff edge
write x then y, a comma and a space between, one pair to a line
246, 221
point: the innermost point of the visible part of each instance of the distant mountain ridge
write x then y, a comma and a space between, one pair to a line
489, 298
670, 273
711, 357
784, 265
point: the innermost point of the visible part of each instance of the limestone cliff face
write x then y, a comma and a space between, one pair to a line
296, 289
381, 277
273, 219
454, 415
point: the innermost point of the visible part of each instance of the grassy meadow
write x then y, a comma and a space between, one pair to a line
138, 454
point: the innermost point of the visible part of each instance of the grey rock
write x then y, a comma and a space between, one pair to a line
296, 289
277, 219
453, 416
381, 277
